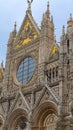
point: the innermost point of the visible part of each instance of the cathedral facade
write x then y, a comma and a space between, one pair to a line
36, 85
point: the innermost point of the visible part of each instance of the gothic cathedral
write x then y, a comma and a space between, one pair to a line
36, 85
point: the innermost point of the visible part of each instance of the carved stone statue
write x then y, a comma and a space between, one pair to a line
29, 4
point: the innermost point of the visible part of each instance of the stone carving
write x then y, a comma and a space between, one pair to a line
29, 4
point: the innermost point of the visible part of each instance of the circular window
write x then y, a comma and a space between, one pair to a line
25, 70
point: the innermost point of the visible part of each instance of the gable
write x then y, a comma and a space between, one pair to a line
19, 102
29, 32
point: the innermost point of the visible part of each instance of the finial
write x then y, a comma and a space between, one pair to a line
48, 11
15, 26
63, 30
70, 16
52, 19
48, 5
29, 4
14, 32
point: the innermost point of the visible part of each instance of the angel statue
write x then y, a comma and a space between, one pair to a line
29, 4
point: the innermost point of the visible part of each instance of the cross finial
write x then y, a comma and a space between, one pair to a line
29, 4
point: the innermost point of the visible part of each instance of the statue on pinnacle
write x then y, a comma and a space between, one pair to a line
29, 4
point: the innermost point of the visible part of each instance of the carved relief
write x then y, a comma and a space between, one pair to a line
50, 119
54, 50
50, 122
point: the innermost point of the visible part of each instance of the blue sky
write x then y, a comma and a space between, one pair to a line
11, 11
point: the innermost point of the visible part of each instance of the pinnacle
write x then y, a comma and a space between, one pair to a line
15, 26
70, 16
48, 11
48, 5
63, 30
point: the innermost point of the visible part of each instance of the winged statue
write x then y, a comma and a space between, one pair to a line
29, 4
30, 1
